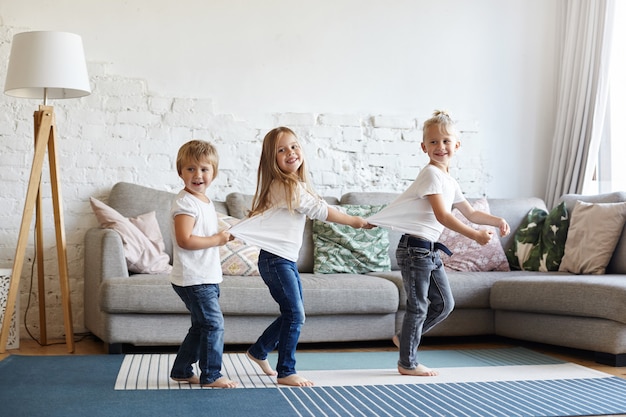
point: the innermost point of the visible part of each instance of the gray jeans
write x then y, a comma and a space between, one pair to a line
429, 298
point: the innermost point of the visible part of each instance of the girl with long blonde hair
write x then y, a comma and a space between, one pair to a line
282, 202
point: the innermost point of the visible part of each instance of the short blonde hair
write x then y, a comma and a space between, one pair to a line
197, 151
445, 122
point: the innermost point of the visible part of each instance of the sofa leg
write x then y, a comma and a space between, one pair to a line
116, 348
611, 359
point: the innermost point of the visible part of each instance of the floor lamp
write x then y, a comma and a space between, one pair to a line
44, 65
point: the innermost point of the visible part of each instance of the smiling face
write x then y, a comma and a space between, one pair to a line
439, 145
289, 156
197, 176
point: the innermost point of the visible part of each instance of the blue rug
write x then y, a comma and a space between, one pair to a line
84, 385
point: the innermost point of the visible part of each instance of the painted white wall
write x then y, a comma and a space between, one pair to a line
355, 79
489, 61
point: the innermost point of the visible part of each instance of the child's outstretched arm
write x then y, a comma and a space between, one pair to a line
480, 217
445, 217
183, 227
357, 222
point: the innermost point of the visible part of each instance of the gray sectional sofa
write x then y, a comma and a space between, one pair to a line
578, 311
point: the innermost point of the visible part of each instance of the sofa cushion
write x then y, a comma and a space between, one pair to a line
601, 296
327, 294
323, 295
377, 198
144, 249
340, 248
139, 293
553, 238
236, 256
131, 200
594, 231
469, 255
540, 240
471, 290
617, 265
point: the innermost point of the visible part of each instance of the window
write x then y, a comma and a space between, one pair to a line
611, 167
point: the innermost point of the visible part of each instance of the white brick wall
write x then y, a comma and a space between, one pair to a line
125, 132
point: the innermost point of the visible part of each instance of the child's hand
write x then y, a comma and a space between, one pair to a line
504, 227
483, 237
223, 237
361, 223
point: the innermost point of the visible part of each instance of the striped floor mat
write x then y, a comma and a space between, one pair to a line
151, 371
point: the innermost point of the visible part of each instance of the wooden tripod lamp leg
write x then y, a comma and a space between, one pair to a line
27, 216
59, 226
45, 133
39, 250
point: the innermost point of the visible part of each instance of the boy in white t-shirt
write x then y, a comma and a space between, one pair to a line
421, 212
196, 271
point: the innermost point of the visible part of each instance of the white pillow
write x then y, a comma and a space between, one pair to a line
141, 236
593, 233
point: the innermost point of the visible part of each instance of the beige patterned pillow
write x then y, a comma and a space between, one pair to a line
237, 257
467, 254
593, 233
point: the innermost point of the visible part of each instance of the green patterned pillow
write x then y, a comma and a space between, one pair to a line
539, 242
342, 249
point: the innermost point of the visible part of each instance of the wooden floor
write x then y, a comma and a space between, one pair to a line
91, 346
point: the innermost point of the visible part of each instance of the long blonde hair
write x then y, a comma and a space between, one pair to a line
445, 122
269, 172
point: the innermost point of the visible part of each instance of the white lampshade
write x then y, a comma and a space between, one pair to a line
47, 64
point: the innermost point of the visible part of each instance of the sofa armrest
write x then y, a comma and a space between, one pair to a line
104, 258
104, 255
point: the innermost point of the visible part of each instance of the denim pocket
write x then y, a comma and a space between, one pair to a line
411, 255
417, 254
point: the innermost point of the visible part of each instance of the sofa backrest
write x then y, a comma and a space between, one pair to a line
617, 264
132, 200
514, 211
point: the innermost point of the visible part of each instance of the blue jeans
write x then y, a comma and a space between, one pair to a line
204, 342
283, 280
429, 298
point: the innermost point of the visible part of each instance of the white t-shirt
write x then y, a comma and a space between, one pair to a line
194, 267
277, 230
412, 213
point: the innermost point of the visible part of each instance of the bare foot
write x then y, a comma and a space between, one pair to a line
295, 380
420, 370
263, 364
193, 379
396, 340
222, 382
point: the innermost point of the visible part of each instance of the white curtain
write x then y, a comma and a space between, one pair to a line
582, 94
